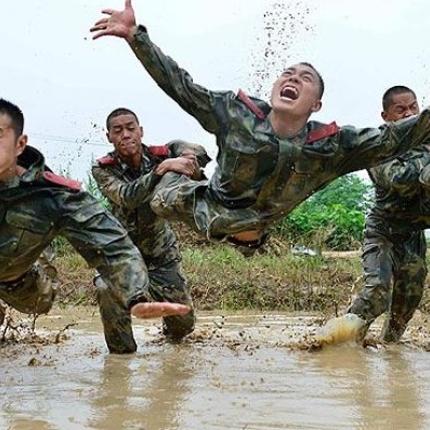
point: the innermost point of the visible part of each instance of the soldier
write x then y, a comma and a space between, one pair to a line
270, 158
394, 248
127, 177
35, 207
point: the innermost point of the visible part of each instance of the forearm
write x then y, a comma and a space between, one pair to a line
367, 148
123, 193
102, 241
174, 81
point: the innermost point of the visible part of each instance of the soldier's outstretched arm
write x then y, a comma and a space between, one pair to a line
208, 107
368, 147
402, 173
102, 241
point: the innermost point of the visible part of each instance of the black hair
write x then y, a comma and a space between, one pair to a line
320, 79
15, 114
387, 98
118, 112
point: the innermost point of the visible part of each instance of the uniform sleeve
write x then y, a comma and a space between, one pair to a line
208, 107
368, 147
177, 147
101, 240
401, 174
124, 193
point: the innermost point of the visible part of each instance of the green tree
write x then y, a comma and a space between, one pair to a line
333, 217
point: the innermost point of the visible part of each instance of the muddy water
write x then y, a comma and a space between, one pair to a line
236, 372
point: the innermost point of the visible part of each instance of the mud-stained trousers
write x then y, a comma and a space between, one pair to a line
167, 284
394, 272
34, 292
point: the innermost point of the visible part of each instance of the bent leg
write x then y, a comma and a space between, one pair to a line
408, 287
175, 199
34, 292
378, 261
116, 319
168, 284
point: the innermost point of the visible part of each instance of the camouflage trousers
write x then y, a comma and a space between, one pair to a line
394, 272
166, 284
179, 198
34, 292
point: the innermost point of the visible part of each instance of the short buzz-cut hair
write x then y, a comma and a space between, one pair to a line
320, 79
15, 114
387, 98
117, 112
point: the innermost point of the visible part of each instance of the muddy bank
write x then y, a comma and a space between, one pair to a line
238, 371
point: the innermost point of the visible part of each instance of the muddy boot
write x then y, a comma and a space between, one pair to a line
393, 330
342, 329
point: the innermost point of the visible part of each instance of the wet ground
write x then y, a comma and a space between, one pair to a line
236, 372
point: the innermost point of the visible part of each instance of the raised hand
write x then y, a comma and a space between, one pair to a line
186, 165
119, 23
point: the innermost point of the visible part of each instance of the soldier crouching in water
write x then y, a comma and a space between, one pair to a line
270, 158
35, 207
127, 177
394, 248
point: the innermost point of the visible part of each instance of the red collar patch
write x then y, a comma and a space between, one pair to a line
159, 151
251, 105
107, 160
323, 132
61, 180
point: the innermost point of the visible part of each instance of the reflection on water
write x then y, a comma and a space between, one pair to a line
212, 385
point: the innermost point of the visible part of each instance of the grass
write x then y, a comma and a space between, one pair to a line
221, 278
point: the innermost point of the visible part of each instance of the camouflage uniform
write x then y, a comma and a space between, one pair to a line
129, 192
394, 249
260, 177
39, 206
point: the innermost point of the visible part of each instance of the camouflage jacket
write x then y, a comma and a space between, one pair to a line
39, 206
129, 193
255, 167
402, 195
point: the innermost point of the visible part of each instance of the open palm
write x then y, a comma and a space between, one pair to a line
119, 23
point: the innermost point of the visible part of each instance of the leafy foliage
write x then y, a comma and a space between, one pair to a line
333, 217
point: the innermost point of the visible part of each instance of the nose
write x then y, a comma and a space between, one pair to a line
293, 78
407, 113
126, 134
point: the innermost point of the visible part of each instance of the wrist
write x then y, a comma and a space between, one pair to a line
131, 33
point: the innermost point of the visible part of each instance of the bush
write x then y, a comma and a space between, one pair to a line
333, 217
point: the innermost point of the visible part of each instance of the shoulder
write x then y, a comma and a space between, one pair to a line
105, 161
61, 181
161, 151
258, 107
318, 131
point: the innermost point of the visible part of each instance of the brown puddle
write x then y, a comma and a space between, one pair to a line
240, 371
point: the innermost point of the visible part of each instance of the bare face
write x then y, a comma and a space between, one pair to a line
296, 92
403, 105
11, 146
126, 135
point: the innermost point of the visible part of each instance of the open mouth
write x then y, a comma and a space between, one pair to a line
289, 93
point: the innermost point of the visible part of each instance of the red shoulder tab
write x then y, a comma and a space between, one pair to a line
159, 151
61, 180
322, 132
251, 105
107, 160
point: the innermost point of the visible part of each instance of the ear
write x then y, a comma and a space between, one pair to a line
384, 116
21, 143
316, 106
108, 137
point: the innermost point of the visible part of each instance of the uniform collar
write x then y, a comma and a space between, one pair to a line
34, 163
